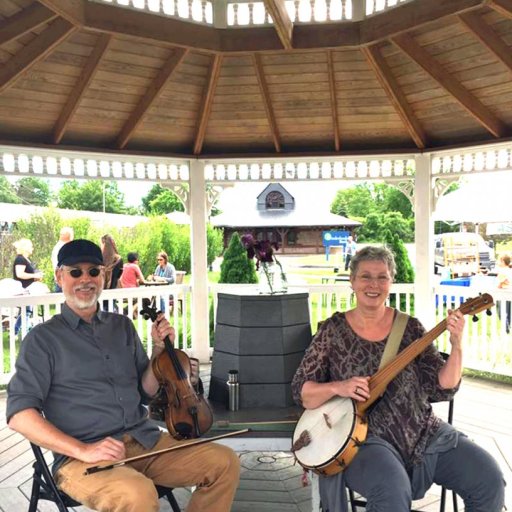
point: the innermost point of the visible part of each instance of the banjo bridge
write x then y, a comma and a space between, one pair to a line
327, 421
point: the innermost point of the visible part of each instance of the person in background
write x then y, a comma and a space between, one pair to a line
132, 274
113, 266
408, 447
350, 250
164, 272
66, 235
504, 282
24, 271
81, 381
113, 262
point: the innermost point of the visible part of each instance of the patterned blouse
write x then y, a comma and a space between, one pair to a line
403, 416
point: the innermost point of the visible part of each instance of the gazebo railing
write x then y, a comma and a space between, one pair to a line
488, 346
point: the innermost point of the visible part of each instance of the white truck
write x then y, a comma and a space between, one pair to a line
464, 253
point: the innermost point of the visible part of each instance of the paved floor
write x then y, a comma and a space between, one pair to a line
270, 481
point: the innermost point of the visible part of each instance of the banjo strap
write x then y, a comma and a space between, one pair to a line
394, 338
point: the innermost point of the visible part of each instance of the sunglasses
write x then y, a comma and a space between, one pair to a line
78, 272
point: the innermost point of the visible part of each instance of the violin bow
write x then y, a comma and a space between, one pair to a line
97, 469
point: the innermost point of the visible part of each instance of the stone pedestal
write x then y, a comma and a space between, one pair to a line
263, 337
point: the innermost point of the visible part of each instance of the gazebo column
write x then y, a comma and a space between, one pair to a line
424, 240
199, 262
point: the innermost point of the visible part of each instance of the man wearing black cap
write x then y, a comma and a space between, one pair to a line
87, 372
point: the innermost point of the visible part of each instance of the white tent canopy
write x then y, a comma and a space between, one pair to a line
481, 200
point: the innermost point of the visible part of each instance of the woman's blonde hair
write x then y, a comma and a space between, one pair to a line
163, 254
23, 246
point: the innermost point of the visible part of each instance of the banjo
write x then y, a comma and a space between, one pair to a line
327, 438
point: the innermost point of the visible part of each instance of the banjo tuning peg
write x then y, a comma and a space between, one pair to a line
488, 312
475, 318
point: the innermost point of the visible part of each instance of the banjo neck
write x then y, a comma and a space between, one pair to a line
380, 380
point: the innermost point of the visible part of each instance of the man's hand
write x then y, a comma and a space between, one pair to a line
106, 449
160, 329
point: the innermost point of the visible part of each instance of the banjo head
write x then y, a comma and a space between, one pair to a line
329, 426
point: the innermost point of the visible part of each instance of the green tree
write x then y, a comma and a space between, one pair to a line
160, 200
404, 269
354, 202
393, 200
33, 191
395, 222
214, 243
7, 192
89, 196
236, 266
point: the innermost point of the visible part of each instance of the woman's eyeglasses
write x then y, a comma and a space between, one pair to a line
78, 272
160, 259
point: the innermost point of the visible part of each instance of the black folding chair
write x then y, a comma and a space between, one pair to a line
44, 487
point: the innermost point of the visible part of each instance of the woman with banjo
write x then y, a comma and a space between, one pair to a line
397, 446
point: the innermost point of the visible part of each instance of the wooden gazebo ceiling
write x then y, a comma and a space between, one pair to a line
430, 73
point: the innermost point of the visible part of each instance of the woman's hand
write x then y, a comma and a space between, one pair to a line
357, 388
455, 325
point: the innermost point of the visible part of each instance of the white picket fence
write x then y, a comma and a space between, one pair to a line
488, 347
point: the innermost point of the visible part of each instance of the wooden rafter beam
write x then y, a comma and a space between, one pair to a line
102, 17
395, 94
504, 7
479, 111
334, 101
488, 37
152, 93
282, 22
24, 21
206, 106
88, 72
265, 93
71, 10
34, 51
410, 16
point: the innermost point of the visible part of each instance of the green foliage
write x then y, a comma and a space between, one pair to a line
146, 238
160, 200
33, 191
353, 202
378, 207
367, 198
43, 229
404, 269
88, 196
376, 223
236, 266
214, 240
7, 192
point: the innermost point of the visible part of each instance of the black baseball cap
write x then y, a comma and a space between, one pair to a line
79, 251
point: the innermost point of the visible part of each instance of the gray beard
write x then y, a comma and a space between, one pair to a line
84, 304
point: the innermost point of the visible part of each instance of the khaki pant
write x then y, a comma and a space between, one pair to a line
214, 469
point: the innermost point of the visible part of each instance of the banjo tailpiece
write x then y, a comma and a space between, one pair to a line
303, 440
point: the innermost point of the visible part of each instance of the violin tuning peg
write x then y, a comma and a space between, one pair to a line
475, 318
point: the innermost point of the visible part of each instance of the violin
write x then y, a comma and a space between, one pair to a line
187, 414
